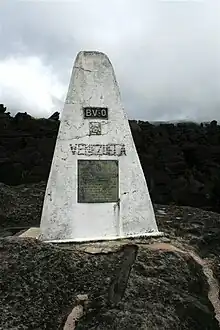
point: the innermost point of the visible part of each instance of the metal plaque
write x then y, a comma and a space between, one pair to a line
98, 181
95, 112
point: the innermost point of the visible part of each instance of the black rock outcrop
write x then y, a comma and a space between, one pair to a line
181, 162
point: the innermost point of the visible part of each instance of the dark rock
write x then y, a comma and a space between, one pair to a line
55, 116
2, 108
21, 116
135, 284
167, 152
40, 283
21, 205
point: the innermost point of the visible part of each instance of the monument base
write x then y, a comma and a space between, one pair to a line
35, 232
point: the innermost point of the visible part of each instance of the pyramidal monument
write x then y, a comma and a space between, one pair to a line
96, 188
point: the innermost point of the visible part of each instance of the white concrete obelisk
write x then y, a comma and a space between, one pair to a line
96, 188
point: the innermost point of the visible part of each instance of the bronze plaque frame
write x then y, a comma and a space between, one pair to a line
98, 181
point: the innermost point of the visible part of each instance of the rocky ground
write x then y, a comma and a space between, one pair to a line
162, 283
171, 282
181, 162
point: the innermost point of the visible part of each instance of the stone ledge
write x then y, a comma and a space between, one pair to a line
33, 232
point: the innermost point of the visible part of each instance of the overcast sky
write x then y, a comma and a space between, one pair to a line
166, 54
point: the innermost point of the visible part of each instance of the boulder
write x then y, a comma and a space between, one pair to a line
128, 285
55, 116
171, 282
2, 108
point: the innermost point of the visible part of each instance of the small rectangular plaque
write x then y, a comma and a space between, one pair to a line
98, 181
95, 112
95, 128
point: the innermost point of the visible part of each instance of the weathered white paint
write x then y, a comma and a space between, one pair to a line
93, 83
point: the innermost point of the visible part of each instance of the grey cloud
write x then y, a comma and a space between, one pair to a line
166, 54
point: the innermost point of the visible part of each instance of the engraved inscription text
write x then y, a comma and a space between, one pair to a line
83, 149
98, 181
95, 112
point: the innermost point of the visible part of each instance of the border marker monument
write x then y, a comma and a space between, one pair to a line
96, 188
